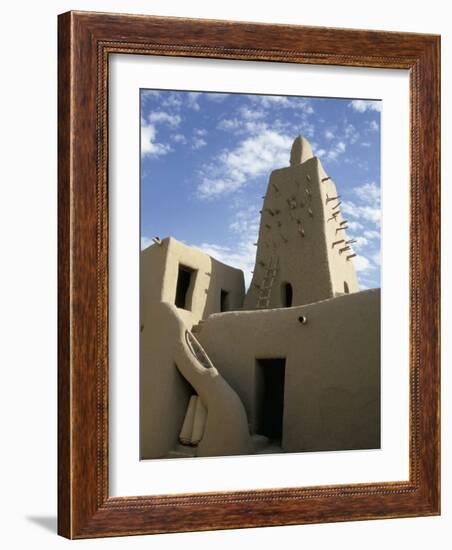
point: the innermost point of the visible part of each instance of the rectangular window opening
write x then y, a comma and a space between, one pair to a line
270, 374
184, 288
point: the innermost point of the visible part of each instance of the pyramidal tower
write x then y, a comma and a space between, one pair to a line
303, 252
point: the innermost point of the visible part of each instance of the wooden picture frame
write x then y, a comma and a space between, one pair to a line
85, 42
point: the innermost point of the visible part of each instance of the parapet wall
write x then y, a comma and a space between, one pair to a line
159, 272
332, 367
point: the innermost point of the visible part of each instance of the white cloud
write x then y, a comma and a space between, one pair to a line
198, 143
242, 256
230, 124
355, 226
362, 264
246, 221
216, 97
198, 140
259, 115
361, 242
287, 102
363, 105
351, 134
368, 209
244, 228
149, 145
272, 101
179, 138
242, 126
192, 100
329, 134
369, 193
150, 94
373, 126
173, 100
367, 213
304, 128
156, 117
334, 152
234, 168
251, 114
371, 234
176, 100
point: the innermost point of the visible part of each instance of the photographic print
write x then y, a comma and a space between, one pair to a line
259, 274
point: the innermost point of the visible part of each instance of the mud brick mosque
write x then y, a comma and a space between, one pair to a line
292, 365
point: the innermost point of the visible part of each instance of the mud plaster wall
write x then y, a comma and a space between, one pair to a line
332, 378
164, 393
159, 272
296, 237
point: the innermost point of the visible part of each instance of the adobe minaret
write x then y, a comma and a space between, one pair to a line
303, 252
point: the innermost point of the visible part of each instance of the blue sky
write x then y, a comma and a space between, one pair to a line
206, 159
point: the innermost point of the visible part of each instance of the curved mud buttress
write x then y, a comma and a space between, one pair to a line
226, 431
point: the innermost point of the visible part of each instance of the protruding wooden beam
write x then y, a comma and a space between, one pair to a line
329, 199
337, 242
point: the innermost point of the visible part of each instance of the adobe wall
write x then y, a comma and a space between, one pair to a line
302, 237
332, 377
170, 374
164, 393
159, 271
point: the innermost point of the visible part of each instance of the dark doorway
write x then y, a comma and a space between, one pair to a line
287, 294
224, 300
346, 289
270, 375
184, 288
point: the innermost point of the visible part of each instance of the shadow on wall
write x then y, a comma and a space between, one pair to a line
223, 293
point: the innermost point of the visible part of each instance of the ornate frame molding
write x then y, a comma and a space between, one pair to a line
85, 42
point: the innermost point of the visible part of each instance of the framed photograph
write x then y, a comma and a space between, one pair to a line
248, 275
